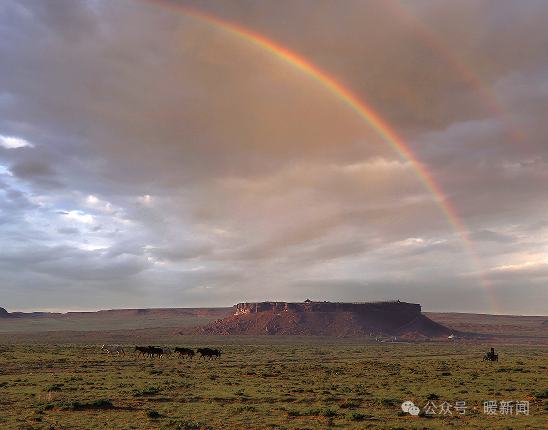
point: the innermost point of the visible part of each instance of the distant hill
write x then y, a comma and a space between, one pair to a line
339, 320
116, 319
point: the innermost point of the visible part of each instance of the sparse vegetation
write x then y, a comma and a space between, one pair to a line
292, 384
58, 380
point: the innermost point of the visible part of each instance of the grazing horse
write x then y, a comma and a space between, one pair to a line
111, 349
209, 353
142, 350
185, 352
155, 350
166, 352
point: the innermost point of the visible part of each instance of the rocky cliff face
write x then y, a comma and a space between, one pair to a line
410, 309
327, 319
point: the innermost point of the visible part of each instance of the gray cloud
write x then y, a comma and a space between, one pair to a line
181, 252
171, 162
69, 230
487, 235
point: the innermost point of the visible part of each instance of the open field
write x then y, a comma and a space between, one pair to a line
122, 319
295, 385
54, 376
498, 328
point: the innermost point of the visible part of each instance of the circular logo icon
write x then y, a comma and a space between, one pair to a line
414, 410
406, 405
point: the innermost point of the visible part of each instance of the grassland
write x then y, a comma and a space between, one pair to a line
522, 329
130, 319
269, 382
54, 376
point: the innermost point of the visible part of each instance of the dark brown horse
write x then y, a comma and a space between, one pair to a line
155, 350
209, 353
185, 352
144, 350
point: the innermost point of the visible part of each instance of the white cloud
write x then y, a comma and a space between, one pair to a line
529, 269
79, 216
14, 142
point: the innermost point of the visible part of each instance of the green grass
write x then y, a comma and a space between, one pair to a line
294, 384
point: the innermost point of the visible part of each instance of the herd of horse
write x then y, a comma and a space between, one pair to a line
157, 351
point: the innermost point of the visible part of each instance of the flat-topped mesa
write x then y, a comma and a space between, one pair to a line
310, 318
309, 306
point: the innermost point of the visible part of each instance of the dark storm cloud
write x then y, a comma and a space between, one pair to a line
37, 172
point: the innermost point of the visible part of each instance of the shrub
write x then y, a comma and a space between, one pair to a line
101, 403
54, 387
191, 425
386, 402
356, 416
150, 391
349, 405
541, 394
95, 404
153, 414
245, 408
326, 412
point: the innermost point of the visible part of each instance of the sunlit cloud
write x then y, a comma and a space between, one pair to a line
79, 217
13, 142
531, 269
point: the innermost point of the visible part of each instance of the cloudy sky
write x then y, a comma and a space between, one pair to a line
155, 154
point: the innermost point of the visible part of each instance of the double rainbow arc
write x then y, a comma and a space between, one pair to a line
353, 102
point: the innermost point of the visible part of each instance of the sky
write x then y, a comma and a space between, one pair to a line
205, 153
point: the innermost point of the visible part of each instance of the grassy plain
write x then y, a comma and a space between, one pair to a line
130, 319
271, 382
507, 328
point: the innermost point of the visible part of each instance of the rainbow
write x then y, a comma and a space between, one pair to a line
433, 40
353, 102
